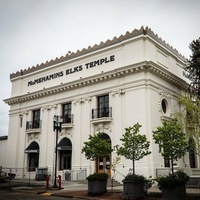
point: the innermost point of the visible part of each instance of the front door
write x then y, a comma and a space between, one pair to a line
104, 165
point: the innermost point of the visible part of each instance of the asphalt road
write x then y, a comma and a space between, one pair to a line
9, 195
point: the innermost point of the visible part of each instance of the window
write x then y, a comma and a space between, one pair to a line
67, 116
166, 162
21, 120
164, 106
36, 118
103, 106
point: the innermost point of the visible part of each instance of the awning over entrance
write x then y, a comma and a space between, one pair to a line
64, 144
33, 148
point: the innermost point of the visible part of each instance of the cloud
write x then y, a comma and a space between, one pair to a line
35, 31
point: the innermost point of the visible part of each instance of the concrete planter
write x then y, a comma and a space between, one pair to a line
132, 190
177, 192
97, 187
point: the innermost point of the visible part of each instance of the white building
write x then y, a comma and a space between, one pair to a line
108, 87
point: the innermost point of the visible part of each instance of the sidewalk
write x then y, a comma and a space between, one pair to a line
78, 189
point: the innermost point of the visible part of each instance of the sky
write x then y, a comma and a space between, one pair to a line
34, 31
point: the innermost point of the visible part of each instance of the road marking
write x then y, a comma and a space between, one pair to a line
46, 193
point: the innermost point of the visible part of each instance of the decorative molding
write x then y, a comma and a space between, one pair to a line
165, 118
150, 66
33, 136
82, 100
25, 112
78, 101
49, 107
167, 96
66, 132
102, 127
87, 99
118, 92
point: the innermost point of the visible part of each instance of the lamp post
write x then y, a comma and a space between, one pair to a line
57, 125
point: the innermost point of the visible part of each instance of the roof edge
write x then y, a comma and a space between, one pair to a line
115, 40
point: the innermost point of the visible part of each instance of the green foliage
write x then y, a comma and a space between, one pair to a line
171, 180
97, 176
134, 145
135, 178
194, 68
190, 118
96, 147
149, 183
171, 140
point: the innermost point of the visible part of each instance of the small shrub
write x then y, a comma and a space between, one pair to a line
97, 176
135, 178
178, 178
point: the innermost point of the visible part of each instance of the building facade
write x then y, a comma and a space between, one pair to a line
105, 88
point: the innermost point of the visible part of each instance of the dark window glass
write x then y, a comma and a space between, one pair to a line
33, 161
67, 117
65, 159
36, 118
103, 106
167, 162
164, 106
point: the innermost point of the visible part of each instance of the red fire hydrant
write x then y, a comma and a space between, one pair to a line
59, 182
47, 181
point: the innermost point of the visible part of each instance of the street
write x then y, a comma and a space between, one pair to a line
10, 195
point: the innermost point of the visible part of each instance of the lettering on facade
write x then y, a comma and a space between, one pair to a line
72, 70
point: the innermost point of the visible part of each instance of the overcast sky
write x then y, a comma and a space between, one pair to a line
34, 31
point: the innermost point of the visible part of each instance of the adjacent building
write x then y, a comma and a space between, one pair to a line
136, 77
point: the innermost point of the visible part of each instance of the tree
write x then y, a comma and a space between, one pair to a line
171, 140
193, 68
190, 118
134, 146
191, 105
96, 146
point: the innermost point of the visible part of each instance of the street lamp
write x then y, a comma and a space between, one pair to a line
57, 125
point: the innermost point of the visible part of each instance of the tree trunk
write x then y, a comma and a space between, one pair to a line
133, 167
172, 164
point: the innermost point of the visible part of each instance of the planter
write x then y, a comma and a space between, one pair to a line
97, 187
132, 189
176, 192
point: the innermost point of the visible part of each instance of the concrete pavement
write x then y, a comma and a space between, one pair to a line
73, 186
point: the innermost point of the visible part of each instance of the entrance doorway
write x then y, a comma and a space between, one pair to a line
103, 164
65, 154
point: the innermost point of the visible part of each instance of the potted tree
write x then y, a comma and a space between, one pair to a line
134, 147
94, 148
172, 145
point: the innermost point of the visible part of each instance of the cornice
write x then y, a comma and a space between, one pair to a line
114, 74
166, 75
72, 55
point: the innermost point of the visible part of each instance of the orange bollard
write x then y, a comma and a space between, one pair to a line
47, 182
59, 182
